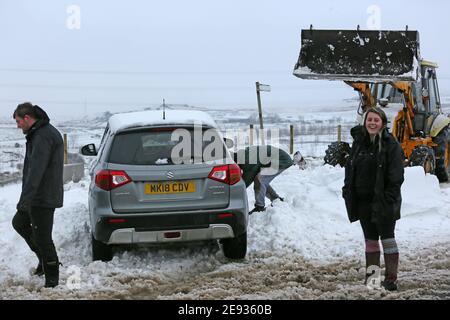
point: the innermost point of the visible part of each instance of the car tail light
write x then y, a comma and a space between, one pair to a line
229, 174
117, 221
225, 215
235, 173
111, 179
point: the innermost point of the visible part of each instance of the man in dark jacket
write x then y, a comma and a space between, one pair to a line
42, 188
260, 165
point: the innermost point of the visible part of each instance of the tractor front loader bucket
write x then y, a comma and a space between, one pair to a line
359, 56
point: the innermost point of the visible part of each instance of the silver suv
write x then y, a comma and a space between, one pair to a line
162, 177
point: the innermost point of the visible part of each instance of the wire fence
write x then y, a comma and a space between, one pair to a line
310, 139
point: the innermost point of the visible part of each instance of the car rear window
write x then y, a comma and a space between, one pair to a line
167, 146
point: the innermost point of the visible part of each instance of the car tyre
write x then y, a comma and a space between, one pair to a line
235, 248
101, 251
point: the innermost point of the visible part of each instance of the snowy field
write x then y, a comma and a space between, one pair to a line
303, 248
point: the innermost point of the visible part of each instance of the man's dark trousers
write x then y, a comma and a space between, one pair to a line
36, 228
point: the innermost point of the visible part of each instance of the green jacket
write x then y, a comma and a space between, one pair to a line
252, 159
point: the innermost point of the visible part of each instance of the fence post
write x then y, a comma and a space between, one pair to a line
291, 144
65, 149
339, 133
251, 135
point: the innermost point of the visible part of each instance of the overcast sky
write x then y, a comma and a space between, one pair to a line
129, 54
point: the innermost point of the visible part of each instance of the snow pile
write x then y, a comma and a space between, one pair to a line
312, 221
421, 193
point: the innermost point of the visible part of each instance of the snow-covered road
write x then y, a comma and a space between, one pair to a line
304, 248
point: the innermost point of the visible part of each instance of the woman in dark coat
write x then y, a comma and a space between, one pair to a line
372, 190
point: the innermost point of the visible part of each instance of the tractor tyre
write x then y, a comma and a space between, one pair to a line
442, 154
423, 156
337, 154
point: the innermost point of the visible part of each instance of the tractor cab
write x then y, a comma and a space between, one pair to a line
426, 98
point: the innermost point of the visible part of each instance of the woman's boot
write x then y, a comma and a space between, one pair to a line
390, 275
372, 259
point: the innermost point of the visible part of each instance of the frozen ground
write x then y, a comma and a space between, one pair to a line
304, 248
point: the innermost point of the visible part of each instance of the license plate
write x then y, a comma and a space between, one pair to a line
170, 187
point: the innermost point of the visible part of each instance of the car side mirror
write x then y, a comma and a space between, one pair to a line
89, 150
229, 143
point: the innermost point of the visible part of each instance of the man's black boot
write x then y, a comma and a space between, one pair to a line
257, 209
51, 271
39, 271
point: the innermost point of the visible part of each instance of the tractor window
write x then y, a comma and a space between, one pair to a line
436, 89
432, 90
395, 96
386, 91
417, 94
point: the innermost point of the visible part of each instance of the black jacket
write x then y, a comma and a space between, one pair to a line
387, 198
42, 181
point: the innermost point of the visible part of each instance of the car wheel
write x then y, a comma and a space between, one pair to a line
235, 248
101, 251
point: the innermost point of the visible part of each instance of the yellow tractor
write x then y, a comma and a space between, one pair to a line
385, 68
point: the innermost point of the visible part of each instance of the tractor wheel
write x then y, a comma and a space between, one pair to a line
423, 156
442, 155
337, 154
